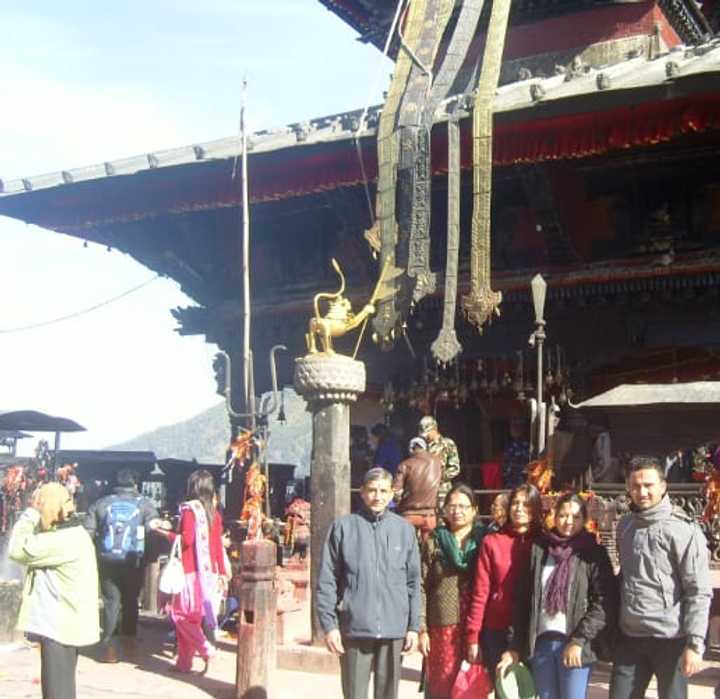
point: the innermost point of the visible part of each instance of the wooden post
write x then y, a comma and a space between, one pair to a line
151, 578
256, 619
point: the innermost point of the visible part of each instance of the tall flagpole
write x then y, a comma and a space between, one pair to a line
248, 377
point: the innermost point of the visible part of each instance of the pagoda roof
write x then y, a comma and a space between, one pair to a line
372, 18
318, 155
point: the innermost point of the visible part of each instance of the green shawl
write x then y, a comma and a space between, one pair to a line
461, 559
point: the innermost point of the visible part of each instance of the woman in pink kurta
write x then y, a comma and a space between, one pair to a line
200, 529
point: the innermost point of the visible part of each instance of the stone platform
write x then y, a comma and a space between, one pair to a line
147, 676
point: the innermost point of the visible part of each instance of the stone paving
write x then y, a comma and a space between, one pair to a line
147, 675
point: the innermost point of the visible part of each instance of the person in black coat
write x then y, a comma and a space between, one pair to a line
568, 605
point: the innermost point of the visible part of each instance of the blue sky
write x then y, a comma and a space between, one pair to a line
85, 82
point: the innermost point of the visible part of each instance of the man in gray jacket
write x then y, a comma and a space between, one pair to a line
368, 591
665, 590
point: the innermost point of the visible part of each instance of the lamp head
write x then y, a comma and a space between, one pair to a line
538, 287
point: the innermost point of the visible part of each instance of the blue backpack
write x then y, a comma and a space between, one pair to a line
123, 537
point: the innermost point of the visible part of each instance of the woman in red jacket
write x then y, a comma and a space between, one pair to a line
504, 558
203, 561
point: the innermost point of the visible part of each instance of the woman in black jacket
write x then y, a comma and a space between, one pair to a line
570, 606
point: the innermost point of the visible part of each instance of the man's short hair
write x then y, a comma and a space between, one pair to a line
127, 478
417, 443
642, 462
427, 424
377, 473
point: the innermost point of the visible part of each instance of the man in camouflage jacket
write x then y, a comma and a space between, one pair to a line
446, 449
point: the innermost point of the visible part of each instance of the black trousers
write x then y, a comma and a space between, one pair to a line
120, 587
636, 660
58, 664
361, 655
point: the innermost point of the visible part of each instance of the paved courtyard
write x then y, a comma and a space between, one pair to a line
147, 675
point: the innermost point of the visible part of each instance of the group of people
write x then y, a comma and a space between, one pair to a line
73, 562
517, 591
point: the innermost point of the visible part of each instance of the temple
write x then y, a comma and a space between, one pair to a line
604, 179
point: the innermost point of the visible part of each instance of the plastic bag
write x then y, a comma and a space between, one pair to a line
472, 682
172, 578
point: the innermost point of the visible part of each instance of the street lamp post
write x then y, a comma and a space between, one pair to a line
538, 287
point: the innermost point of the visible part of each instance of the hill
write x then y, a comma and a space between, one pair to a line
205, 437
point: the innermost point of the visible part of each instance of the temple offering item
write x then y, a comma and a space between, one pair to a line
252, 511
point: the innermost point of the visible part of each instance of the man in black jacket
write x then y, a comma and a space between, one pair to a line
368, 591
118, 524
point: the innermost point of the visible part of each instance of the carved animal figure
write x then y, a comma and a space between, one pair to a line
338, 320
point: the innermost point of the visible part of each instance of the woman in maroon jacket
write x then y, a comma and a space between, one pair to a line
504, 558
200, 529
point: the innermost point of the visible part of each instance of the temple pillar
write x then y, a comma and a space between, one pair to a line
329, 384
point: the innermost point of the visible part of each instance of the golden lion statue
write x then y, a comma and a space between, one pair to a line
338, 320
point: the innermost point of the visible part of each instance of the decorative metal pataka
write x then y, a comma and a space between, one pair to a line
446, 346
482, 301
387, 317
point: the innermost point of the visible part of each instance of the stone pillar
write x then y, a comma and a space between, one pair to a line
257, 614
151, 579
329, 383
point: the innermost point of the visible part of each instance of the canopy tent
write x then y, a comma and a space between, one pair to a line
658, 419
34, 421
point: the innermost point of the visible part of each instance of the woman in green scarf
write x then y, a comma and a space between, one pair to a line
448, 563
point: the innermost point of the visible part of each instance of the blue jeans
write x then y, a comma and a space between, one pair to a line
494, 644
552, 679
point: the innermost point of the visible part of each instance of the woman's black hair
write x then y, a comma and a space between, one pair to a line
201, 486
462, 489
534, 501
572, 497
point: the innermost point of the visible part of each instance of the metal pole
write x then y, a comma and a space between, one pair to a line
540, 339
247, 356
539, 289
55, 453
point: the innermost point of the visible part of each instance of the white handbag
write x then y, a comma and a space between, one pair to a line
172, 578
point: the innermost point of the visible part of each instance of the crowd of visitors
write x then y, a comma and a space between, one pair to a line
74, 562
521, 594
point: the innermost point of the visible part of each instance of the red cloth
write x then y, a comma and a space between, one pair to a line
187, 530
447, 651
491, 475
504, 557
472, 682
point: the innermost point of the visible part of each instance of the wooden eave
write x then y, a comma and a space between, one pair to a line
320, 155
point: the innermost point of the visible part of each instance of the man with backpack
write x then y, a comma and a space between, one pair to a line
118, 524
